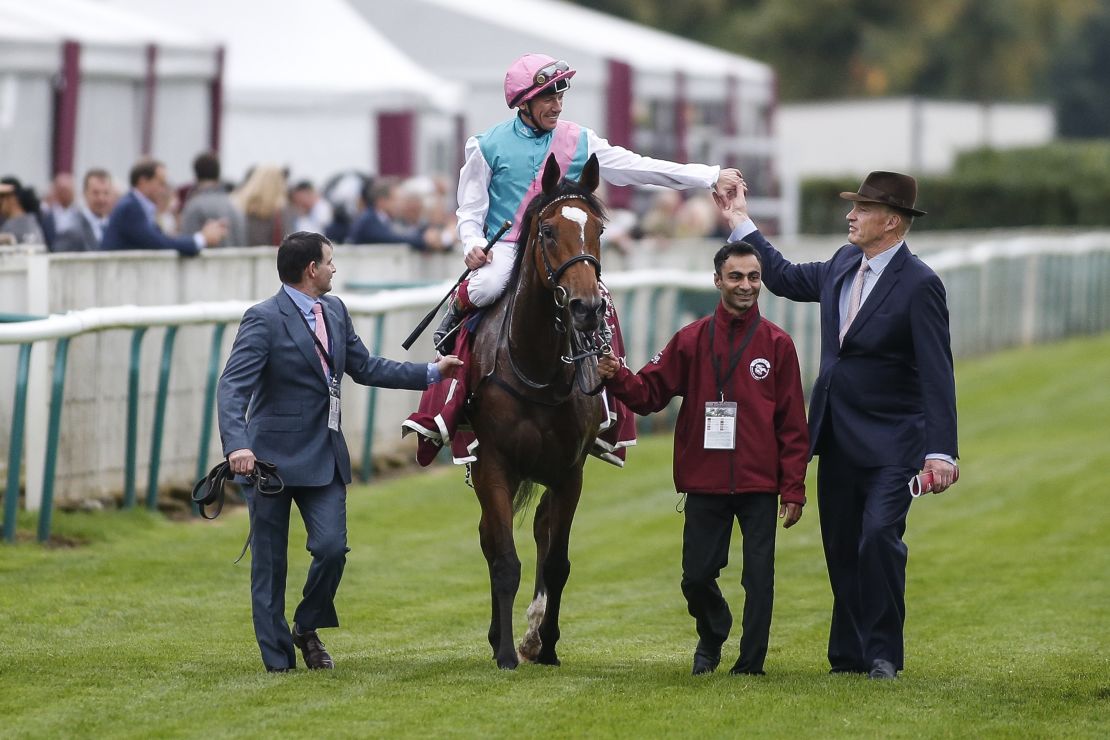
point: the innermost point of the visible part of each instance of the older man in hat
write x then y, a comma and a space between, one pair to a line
882, 409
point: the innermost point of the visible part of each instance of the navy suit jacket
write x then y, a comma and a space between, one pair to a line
370, 228
129, 228
889, 391
273, 395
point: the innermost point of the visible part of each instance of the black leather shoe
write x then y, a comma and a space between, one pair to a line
706, 660
883, 670
736, 670
312, 650
836, 669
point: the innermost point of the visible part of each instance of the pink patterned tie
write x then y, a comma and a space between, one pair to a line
321, 334
854, 299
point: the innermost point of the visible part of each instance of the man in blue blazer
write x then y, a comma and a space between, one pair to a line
279, 401
131, 224
883, 407
375, 225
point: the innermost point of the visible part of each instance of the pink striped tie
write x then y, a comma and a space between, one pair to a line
854, 299
321, 334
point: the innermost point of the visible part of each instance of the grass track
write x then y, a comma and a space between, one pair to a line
145, 632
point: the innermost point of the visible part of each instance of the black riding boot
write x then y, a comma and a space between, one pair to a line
443, 338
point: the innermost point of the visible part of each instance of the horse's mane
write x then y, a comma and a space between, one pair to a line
563, 188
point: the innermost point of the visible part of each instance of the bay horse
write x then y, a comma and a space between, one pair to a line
534, 370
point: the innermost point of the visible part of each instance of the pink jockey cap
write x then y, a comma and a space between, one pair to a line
529, 75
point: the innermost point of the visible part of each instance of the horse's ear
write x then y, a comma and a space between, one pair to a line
551, 174
590, 174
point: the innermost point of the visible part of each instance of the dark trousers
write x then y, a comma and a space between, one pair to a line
705, 542
863, 518
324, 511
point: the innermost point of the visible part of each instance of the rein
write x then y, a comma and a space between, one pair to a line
210, 490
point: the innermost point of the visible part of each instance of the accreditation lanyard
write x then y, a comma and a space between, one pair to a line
733, 360
334, 405
720, 415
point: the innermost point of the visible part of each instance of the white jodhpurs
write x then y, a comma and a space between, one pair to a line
487, 283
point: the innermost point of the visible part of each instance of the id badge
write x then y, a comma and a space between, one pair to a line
720, 425
333, 406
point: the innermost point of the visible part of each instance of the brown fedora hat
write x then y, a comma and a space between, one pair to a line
889, 188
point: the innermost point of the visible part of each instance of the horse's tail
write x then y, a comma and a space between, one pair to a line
524, 496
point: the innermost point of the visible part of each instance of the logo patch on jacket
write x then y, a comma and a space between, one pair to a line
760, 368
658, 358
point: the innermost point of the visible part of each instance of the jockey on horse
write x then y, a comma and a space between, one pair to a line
502, 169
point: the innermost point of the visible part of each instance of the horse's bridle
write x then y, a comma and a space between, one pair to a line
586, 346
554, 275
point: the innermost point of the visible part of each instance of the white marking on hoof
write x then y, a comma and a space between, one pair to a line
530, 644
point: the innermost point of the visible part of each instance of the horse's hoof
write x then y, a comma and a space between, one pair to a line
528, 650
551, 659
508, 665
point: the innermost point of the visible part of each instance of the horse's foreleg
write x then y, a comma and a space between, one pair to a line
496, 533
556, 566
529, 647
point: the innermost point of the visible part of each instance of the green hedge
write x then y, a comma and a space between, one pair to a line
1063, 184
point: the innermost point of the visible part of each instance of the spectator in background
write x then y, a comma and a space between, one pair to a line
377, 224
658, 222
621, 224
209, 199
262, 199
343, 192
19, 209
696, 218
132, 224
59, 209
87, 230
420, 209
309, 212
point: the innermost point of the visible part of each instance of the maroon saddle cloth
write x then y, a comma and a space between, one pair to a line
441, 419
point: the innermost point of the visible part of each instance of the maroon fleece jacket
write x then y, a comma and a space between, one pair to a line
772, 441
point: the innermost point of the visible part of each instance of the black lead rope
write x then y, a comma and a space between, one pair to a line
210, 490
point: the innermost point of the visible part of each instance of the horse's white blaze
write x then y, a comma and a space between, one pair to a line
578, 216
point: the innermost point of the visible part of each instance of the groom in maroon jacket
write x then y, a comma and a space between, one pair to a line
740, 445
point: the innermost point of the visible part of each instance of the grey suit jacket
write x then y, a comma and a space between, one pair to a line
80, 238
273, 396
211, 202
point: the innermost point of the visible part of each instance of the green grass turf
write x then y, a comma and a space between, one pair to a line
145, 630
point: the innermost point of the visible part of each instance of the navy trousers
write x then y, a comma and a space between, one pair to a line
706, 535
863, 518
324, 511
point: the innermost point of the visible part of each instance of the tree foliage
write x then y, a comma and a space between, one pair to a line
963, 49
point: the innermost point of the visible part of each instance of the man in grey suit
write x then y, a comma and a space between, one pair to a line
209, 200
279, 400
87, 229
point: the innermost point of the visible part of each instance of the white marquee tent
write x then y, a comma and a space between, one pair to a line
83, 85
313, 86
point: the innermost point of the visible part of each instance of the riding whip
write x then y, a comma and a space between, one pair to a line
432, 314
